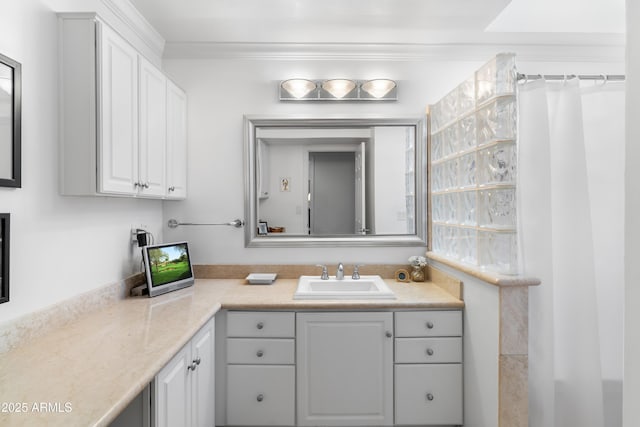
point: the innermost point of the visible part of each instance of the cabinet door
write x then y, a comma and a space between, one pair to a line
203, 385
429, 394
176, 142
172, 392
153, 134
118, 108
345, 363
260, 395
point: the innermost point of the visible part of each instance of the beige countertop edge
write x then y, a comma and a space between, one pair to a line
486, 276
109, 355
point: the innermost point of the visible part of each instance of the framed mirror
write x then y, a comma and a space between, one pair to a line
335, 181
10, 119
4, 257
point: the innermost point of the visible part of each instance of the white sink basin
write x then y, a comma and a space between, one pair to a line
367, 287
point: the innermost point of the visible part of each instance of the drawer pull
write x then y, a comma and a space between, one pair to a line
429, 397
430, 352
429, 325
260, 325
260, 397
260, 353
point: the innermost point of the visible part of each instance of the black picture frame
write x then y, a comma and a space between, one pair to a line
4, 256
13, 68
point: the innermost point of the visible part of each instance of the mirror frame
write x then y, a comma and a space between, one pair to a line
15, 181
253, 240
4, 256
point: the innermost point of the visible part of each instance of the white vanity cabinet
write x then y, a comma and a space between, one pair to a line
183, 392
345, 369
260, 368
428, 368
114, 115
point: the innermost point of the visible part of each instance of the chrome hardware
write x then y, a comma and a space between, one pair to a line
260, 353
388, 334
260, 397
197, 361
430, 351
173, 223
260, 325
430, 397
145, 185
136, 184
340, 272
429, 325
356, 273
325, 273
192, 367
172, 188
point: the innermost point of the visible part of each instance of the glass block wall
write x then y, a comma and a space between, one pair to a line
473, 169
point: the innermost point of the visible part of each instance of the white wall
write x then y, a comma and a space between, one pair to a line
60, 246
631, 409
221, 91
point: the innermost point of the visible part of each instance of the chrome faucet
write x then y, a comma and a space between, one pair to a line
340, 272
356, 273
325, 273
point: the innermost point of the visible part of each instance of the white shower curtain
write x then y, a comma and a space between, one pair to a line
571, 205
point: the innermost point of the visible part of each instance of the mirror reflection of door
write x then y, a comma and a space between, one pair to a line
361, 190
332, 195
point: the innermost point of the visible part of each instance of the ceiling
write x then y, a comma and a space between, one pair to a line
381, 21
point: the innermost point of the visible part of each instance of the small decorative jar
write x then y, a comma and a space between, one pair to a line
417, 273
417, 268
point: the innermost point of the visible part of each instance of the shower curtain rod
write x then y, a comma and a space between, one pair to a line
605, 77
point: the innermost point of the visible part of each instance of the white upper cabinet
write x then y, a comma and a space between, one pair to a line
114, 116
176, 142
153, 135
118, 106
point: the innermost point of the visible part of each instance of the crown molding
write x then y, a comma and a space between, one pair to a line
137, 23
589, 49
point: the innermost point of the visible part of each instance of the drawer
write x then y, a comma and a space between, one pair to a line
428, 350
261, 351
428, 324
260, 395
257, 324
428, 394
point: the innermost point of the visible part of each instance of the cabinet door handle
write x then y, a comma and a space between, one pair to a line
260, 397
430, 352
197, 361
260, 325
430, 397
388, 334
172, 188
192, 367
429, 325
260, 353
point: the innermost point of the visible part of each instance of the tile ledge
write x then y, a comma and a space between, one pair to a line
486, 276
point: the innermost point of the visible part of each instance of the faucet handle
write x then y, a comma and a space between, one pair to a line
356, 273
325, 272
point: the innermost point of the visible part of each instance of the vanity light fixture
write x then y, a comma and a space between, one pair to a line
338, 90
378, 88
298, 88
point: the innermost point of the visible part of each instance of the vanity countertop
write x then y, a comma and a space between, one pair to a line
87, 371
